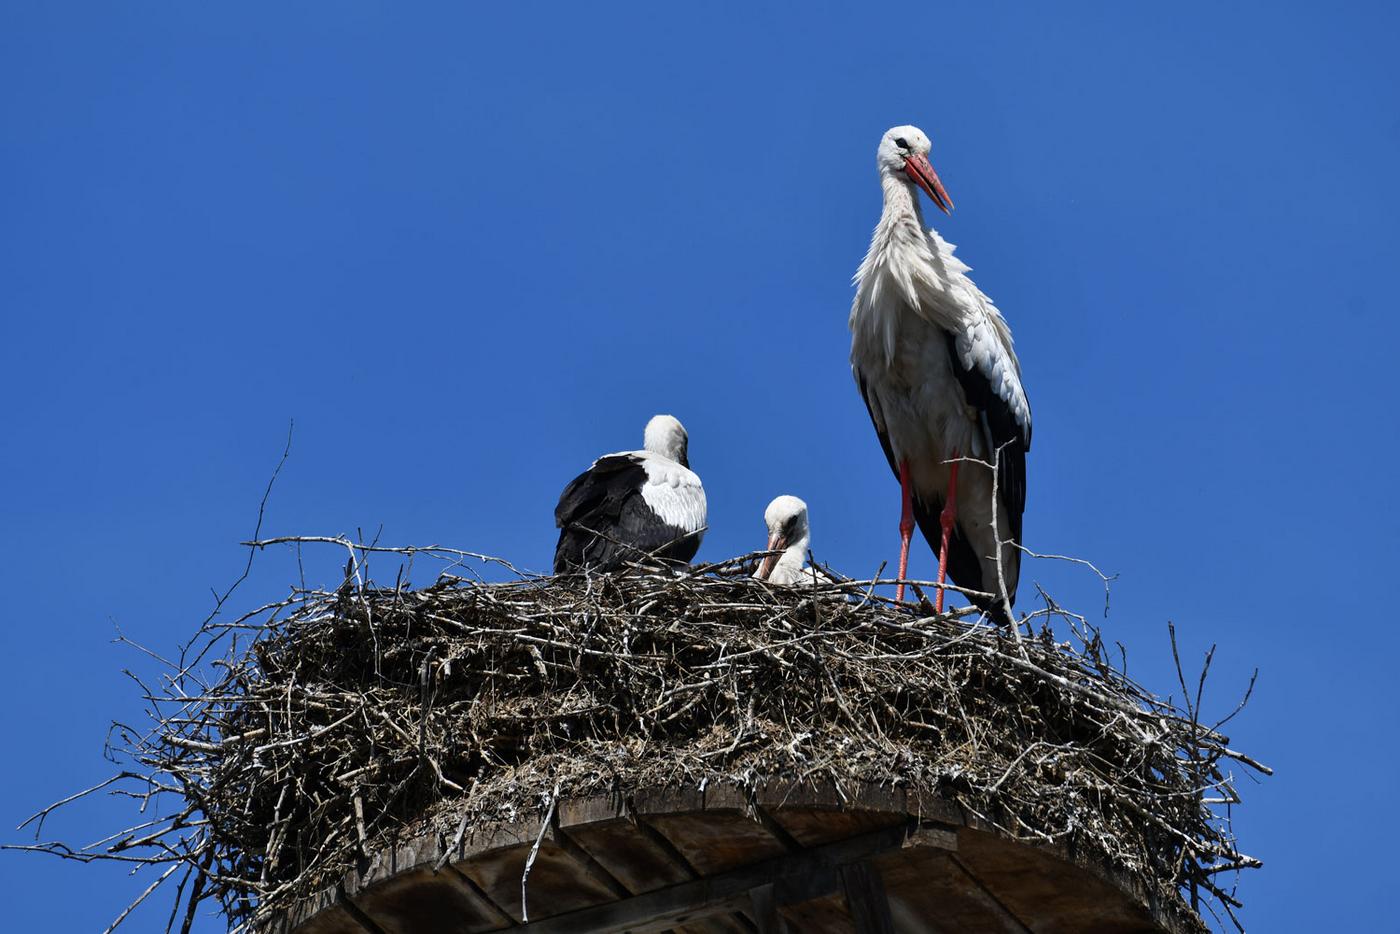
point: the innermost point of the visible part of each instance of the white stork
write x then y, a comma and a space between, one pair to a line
935, 364
790, 534
633, 505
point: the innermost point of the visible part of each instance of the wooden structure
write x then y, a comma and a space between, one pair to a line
789, 859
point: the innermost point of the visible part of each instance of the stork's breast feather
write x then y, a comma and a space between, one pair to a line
909, 271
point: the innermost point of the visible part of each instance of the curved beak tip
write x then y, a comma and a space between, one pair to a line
923, 175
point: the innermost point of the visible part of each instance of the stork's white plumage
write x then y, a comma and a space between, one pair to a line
934, 361
633, 505
789, 533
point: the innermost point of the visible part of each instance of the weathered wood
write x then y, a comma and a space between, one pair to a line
775, 829
990, 898
797, 877
717, 840
764, 907
865, 898
585, 859
825, 914
602, 855
556, 882
457, 878
934, 835
1034, 884
663, 843
924, 886
361, 919
421, 900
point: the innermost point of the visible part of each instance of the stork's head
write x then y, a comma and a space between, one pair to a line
786, 518
665, 435
904, 150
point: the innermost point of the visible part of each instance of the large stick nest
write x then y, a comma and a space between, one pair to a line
351, 717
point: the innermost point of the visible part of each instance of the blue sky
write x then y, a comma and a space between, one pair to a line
469, 250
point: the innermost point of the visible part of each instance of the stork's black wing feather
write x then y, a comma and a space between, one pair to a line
1007, 440
875, 421
599, 491
604, 520
594, 502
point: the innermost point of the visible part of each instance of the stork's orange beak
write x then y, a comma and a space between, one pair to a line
922, 174
776, 543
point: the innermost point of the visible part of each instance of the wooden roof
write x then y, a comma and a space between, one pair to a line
791, 859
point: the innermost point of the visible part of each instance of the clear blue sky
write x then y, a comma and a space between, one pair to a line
467, 251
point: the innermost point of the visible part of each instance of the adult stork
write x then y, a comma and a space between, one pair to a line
633, 505
789, 537
934, 361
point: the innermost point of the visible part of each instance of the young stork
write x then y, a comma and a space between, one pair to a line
789, 533
633, 505
934, 361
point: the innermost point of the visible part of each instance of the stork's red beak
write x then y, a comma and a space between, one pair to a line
776, 543
923, 175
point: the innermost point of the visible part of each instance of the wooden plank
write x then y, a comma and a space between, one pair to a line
629, 852
928, 894
865, 898
825, 914
718, 924
643, 850
1050, 893
578, 854
935, 836
319, 914
556, 883
764, 908
664, 844
459, 879
362, 920
858, 796
718, 840
990, 899
811, 826
423, 900
777, 830
796, 877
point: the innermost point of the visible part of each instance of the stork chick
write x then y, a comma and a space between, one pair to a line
789, 533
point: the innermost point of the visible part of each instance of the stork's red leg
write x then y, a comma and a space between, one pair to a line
946, 519
906, 528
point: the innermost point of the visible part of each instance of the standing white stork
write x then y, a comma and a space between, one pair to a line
934, 361
790, 534
633, 505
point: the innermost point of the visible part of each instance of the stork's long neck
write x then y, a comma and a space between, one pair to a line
884, 281
902, 211
899, 239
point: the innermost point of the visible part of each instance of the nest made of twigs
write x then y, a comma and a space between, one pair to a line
352, 716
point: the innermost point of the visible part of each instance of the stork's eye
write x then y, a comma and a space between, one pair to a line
901, 143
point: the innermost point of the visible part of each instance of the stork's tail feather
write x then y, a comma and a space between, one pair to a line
994, 609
